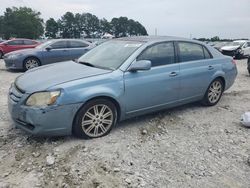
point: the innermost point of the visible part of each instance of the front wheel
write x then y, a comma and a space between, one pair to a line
30, 63
214, 93
95, 119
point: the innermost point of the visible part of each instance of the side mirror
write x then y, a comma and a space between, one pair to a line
140, 65
48, 48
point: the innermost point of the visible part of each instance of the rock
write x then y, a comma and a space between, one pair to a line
128, 181
85, 149
50, 160
6, 174
248, 161
144, 132
36, 154
28, 169
116, 170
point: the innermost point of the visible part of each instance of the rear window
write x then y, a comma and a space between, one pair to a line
29, 42
206, 54
191, 52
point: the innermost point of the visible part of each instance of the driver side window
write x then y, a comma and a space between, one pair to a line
59, 45
159, 54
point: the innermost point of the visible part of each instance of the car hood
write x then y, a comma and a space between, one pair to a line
42, 78
230, 48
23, 51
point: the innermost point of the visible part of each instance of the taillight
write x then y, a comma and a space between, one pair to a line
233, 61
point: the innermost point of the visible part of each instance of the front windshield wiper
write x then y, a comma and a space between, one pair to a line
86, 63
96, 66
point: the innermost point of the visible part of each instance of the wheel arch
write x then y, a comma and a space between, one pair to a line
32, 56
113, 100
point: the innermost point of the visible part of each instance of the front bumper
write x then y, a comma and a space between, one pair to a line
233, 53
47, 121
13, 63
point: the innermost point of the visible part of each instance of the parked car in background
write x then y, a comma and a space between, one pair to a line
248, 65
16, 44
219, 45
237, 49
52, 51
116, 80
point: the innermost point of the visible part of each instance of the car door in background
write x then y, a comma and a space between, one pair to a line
29, 44
154, 88
13, 45
58, 52
77, 48
196, 70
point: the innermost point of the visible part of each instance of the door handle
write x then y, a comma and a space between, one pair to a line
210, 67
173, 74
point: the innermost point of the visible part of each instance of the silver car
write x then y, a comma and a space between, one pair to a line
52, 51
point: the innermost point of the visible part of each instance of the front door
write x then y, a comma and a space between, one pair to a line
155, 88
59, 52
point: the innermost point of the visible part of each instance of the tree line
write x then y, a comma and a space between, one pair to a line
23, 22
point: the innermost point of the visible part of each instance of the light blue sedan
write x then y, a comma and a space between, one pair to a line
119, 79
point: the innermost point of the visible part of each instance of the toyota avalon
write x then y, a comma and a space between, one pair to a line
116, 80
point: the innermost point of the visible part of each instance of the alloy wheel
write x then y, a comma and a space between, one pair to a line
215, 91
97, 120
31, 63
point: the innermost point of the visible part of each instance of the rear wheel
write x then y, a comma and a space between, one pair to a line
95, 119
214, 93
30, 63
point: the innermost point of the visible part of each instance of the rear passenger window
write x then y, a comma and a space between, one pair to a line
77, 44
206, 54
29, 42
159, 54
190, 51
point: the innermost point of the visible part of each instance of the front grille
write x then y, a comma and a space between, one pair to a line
228, 53
15, 93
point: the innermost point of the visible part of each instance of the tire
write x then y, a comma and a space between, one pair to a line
30, 63
89, 121
1, 54
213, 93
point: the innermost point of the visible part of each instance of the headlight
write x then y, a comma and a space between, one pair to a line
43, 98
13, 56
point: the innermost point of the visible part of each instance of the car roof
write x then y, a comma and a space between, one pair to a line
154, 38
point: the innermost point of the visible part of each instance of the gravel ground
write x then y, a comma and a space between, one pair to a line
188, 146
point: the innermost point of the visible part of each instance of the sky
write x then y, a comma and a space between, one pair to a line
183, 18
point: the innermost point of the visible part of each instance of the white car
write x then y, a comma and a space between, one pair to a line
237, 49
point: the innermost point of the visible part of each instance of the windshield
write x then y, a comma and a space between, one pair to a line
45, 44
111, 54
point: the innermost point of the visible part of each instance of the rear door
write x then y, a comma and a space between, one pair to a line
157, 87
59, 52
196, 70
77, 48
